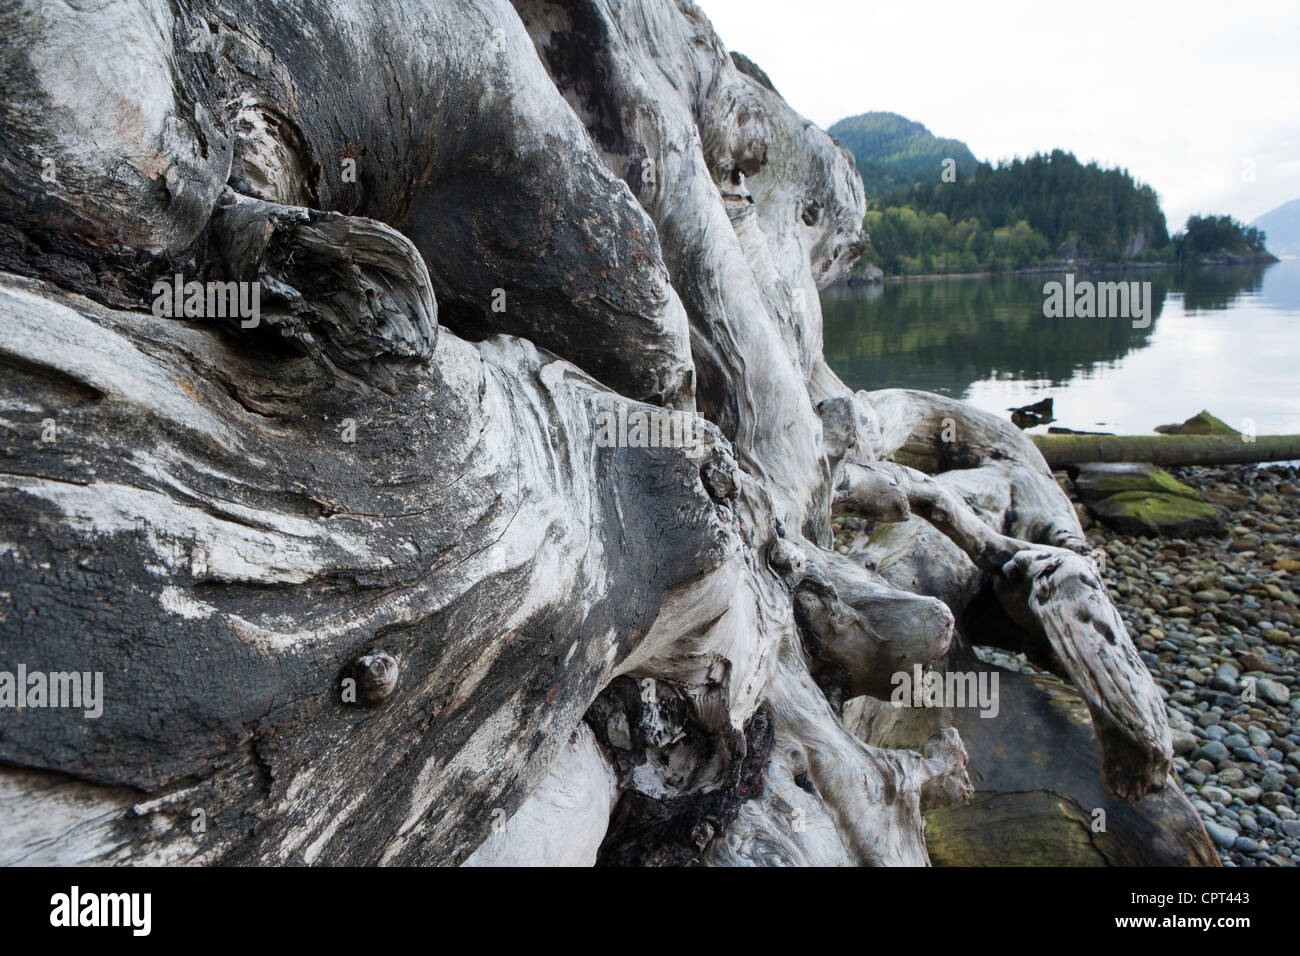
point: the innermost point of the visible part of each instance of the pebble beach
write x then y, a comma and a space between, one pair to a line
1217, 622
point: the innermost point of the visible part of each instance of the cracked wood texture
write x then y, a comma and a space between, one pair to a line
478, 230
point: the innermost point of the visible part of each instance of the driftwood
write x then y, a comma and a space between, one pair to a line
1062, 450
365, 575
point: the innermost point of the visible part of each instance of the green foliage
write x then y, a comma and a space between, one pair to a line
892, 151
1025, 212
905, 242
1217, 235
1082, 211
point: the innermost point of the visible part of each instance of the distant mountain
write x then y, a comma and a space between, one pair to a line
892, 151
1281, 227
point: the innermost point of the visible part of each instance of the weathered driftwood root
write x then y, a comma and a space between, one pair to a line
437, 119
1038, 799
463, 532
1046, 590
1060, 594
1062, 450
820, 776
564, 820
367, 581
861, 630
352, 293
939, 435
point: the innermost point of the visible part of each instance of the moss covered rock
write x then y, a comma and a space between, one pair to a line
1141, 499
1037, 775
1160, 515
1202, 423
1097, 482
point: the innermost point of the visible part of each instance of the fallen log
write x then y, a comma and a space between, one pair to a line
1062, 450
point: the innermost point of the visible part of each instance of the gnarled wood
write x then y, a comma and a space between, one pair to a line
481, 232
1059, 594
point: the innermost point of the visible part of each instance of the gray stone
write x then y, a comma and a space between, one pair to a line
1221, 835
1272, 691
1215, 751
1216, 795
1272, 782
1230, 776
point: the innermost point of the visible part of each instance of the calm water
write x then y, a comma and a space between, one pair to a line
1225, 338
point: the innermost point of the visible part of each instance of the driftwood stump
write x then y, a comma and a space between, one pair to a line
369, 574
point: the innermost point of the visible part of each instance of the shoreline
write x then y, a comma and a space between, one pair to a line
1217, 621
1086, 267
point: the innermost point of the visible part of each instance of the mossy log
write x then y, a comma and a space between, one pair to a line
1062, 450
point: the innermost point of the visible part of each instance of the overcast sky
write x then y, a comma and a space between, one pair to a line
1192, 97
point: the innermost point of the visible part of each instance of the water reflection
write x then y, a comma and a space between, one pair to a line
944, 335
1281, 287
1220, 337
1218, 287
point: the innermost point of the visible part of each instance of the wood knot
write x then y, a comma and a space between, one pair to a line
375, 676
786, 558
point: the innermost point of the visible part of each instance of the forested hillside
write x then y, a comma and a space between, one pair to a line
934, 208
1080, 210
893, 151
1209, 236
